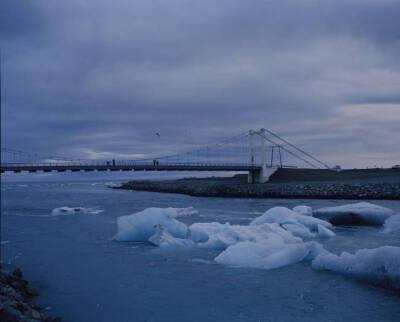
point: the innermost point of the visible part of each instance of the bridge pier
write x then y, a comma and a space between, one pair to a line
261, 175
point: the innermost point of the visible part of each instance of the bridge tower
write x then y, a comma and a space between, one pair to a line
262, 175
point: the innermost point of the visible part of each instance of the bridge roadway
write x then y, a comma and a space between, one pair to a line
136, 166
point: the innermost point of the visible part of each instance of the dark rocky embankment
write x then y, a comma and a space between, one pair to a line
287, 183
16, 299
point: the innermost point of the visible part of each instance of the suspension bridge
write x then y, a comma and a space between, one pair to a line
258, 152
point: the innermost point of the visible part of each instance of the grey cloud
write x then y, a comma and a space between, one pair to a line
105, 76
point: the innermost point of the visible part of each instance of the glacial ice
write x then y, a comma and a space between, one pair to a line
64, 211
392, 225
299, 230
380, 266
324, 232
362, 213
283, 215
164, 239
265, 255
280, 215
216, 235
303, 210
272, 240
142, 225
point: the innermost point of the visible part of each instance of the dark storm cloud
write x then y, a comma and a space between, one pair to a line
87, 77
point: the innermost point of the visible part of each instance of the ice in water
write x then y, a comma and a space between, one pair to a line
277, 238
362, 213
379, 266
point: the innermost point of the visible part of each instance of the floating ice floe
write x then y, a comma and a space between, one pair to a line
392, 225
380, 266
362, 213
163, 238
325, 232
142, 225
267, 255
65, 211
216, 235
303, 210
283, 215
270, 241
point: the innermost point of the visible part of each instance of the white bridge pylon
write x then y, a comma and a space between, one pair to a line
265, 172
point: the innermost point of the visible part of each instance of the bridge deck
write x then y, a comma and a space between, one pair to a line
126, 167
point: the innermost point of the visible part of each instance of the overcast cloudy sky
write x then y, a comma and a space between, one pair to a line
99, 78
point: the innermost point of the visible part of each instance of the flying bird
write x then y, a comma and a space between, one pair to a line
158, 134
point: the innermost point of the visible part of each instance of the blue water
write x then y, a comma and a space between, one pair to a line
83, 275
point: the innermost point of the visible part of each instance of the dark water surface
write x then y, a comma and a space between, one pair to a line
83, 275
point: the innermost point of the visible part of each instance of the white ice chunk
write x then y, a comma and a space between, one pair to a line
164, 239
316, 249
325, 232
303, 210
312, 223
140, 226
64, 211
61, 211
379, 266
392, 225
218, 235
181, 212
299, 230
283, 215
263, 255
362, 213
280, 215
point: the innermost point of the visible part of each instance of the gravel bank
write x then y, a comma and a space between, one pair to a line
16, 299
353, 184
271, 190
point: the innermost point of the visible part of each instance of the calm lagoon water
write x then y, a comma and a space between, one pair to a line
83, 275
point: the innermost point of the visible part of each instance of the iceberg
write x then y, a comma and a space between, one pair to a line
362, 213
303, 210
142, 225
216, 235
324, 232
299, 230
392, 225
280, 215
164, 239
379, 266
272, 240
65, 211
265, 255
284, 216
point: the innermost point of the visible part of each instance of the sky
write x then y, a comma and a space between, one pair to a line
93, 79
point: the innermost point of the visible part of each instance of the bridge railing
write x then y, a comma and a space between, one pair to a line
122, 163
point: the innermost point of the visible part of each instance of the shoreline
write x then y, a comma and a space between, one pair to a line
285, 183
269, 190
16, 299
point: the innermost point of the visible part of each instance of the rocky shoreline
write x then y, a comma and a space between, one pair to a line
236, 189
16, 299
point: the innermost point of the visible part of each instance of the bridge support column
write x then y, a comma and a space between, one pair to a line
251, 175
262, 175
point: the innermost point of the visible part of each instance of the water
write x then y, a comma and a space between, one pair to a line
82, 275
